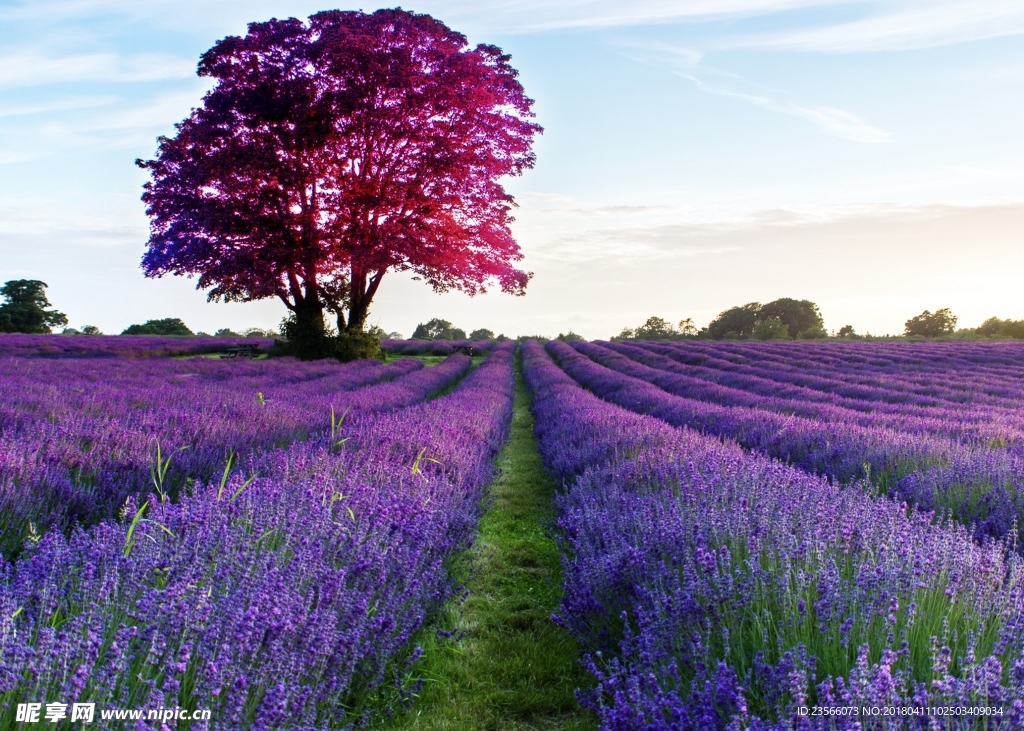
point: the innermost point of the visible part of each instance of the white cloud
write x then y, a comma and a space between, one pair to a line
33, 69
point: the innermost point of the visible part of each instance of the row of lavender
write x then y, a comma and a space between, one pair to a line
78, 437
969, 376
713, 588
148, 346
791, 387
436, 347
979, 486
285, 595
120, 346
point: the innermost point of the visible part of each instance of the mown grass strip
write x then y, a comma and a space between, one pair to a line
509, 667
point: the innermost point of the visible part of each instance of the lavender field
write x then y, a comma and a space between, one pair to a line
752, 529
746, 530
262, 539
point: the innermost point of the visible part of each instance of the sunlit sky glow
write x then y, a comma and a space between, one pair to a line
698, 154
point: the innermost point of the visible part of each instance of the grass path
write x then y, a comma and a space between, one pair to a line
512, 669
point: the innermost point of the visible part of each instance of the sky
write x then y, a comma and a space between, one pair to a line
697, 154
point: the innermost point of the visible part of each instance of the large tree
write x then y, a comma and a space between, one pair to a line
26, 308
736, 321
331, 152
932, 325
798, 315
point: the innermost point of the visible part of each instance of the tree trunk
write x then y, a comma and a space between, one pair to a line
309, 335
362, 288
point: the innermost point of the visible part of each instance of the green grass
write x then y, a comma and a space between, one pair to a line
432, 360
512, 668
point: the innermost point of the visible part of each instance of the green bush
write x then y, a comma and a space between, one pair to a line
771, 328
347, 346
350, 346
812, 333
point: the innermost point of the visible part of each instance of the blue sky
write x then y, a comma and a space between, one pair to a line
698, 154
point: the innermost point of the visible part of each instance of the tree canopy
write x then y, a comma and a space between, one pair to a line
331, 152
438, 329
798, 315
166, 326
26, 309
931, 324
801, 318
736, 322
771, 328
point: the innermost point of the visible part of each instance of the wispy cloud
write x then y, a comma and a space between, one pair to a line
634, 244
884, 25
32, 69
607, 211
892, 27
687, 63
644, 245
161, 112
836, 122
58, 105
507, 15
82, 222
97, 124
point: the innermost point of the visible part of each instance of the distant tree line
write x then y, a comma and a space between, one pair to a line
783, 319
438, 329
657, 328
170, 326
994, 327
